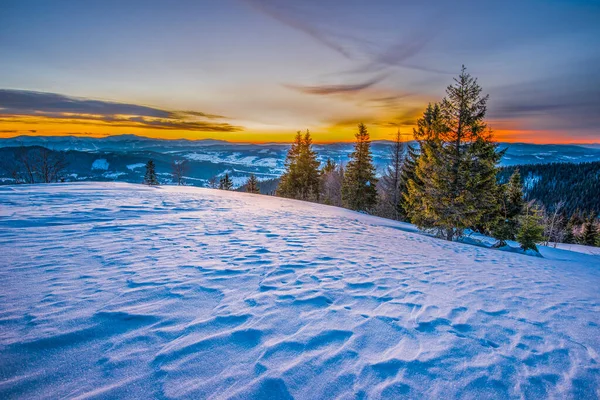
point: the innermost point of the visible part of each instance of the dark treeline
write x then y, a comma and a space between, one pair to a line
577, 185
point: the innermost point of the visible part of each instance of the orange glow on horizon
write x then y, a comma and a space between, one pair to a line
46, 126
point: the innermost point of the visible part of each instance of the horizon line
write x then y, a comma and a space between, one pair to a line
259, 142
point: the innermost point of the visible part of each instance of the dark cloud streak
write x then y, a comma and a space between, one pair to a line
335, 89
21, 103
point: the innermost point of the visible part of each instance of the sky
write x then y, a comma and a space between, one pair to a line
259, 70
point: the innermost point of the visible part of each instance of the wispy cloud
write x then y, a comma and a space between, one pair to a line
335, 89
21, 105
563, 101
374, 60
288, 13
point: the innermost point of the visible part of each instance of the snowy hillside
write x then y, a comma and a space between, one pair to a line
124, 291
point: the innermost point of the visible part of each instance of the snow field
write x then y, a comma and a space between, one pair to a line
124, 291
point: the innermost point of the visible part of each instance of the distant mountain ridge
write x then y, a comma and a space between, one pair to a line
208, 158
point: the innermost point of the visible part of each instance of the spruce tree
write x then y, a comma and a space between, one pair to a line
407, 174
150, 175
589, 235
391, 182
328, 167
510, 207
225, 183
531, 229
252, 185
301, 179
569, 234
359, 187
455, 186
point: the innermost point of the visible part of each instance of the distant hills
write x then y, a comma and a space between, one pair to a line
122, 157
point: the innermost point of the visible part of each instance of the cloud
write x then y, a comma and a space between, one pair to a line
371, 56
327, 30
335, 89
291, 16
196, 114
567, 101
15, 104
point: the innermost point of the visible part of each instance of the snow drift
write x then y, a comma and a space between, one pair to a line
118, 290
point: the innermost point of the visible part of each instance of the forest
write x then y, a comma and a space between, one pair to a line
577, 185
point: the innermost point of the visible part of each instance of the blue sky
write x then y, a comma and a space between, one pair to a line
271, 67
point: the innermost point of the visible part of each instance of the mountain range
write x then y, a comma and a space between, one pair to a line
123, 157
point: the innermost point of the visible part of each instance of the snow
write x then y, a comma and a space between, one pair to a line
236, 158
113, 175
115, 290
578, 248
132, 167
100, 163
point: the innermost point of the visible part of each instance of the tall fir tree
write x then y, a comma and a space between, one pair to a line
531, 229
226, 183
252, 185
391, 182
150, 175
455, 186
301, 179
511, 205
359, 187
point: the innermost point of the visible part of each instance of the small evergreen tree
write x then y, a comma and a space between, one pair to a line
407, 174
328, 167
589, 235
301, 179
252, 185
569, 234
225, 183
391, 182
511, 205
531, 229
150, 175
359, 187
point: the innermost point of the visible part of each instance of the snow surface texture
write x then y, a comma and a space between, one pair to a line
100, 163
124, 291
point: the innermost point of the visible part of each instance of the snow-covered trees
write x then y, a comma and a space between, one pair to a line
359, 187
455, 185
301, 178
225, 183
150, 175
252, 185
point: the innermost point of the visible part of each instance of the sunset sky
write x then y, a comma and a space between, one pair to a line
259, 70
